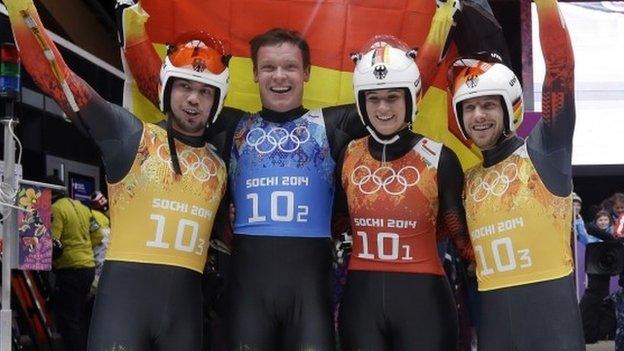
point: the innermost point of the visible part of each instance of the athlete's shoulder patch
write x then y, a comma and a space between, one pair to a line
429, 150
315, 113
315, 116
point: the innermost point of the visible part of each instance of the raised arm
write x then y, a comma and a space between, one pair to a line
550, 143
558, 89
112, 128
433, 49
43, 61
340, 214
141, 57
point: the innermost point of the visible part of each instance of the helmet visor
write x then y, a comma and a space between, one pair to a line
199, 52
382, 41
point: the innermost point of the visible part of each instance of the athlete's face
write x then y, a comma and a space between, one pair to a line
602, 222
618, 208
280, 74
483, 120
386, 110
191, 103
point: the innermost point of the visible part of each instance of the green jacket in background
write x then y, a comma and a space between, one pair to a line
70, 224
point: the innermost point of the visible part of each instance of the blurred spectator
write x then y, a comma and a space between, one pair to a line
579, 224
100, 235
577, 204
602, 220
597, 290
73, 268
615, 205
100, 232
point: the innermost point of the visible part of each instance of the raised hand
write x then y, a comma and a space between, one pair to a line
453, 7
342, 247
131, 20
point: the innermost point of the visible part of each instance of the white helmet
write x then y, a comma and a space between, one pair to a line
386, 63
475, 77
199, 57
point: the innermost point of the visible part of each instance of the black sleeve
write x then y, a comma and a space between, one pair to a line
478, 30
343, 124
451, 213
115, 131
340, 218
340, 203
222, 227
550, 143
221, 136
221, 133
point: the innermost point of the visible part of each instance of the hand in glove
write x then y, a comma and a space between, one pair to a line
452, 7
131, 20
342, 248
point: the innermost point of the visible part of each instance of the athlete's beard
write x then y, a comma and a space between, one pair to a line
184, 127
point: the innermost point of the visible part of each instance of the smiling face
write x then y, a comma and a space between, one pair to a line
483, 120
191, 103
280, 74
386, 110
602, 222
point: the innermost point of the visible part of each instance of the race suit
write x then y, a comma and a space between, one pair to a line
397, 296
519, 207
149, 294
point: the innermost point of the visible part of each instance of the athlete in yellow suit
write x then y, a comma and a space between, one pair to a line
518, 202
165, 185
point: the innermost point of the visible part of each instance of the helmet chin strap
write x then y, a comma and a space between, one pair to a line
172, 149
506, 134
506, 126
385, 142
389, 141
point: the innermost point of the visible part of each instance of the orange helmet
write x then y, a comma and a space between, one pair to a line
199, 57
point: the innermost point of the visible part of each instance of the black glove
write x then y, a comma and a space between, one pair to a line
342, 248
57, 248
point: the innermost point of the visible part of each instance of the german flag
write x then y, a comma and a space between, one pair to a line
333, 29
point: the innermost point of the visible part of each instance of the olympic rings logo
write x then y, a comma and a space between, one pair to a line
201, 168
279, 137
494, 182
386, 178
